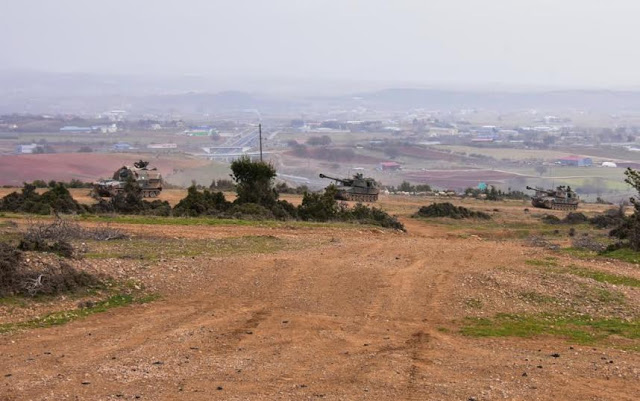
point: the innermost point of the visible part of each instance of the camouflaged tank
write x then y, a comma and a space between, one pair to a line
562, 198
358, 188
149, 180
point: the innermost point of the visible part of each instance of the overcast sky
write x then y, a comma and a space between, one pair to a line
576, 43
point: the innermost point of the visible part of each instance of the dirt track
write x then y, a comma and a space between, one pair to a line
357, 314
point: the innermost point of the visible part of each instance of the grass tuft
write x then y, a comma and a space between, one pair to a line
62, 317
581, 329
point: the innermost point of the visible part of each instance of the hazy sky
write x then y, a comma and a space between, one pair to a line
510, 42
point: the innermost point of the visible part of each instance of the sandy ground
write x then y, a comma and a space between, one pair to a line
355, 314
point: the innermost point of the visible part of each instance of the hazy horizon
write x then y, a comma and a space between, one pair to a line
463, 43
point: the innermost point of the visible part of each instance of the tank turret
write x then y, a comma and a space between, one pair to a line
562, 198
358, 188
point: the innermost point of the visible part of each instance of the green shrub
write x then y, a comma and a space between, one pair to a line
254, 182
198, 203
250, 211
371, 215
324, 207
319, 206
284, 210
610, 218
57, 199
447, 209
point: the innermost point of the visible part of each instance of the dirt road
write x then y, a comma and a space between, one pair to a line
356, 314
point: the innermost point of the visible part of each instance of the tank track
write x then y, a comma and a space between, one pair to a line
561, 206
361, 197
152, 193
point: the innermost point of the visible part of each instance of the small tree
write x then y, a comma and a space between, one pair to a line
541, 169
405, 186
254, 182
633, 234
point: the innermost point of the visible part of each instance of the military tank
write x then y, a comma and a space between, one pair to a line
358, 188
148, 178
562, 198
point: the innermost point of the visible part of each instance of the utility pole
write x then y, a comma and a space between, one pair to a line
260, 135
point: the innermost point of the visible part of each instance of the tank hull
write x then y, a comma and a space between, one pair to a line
553, 204
356, 189
346, 195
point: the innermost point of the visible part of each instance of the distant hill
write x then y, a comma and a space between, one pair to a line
601, 100
76, 93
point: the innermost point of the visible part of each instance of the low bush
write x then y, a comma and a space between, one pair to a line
198, 203
610, 218
324, 207
571, 218
59, 247
371, 215
66, 230
447, 209
16, 278
56, 200
283, 188
250, 211
589, 243
575, 218
319, 206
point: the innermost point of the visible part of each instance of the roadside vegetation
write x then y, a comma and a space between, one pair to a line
257, 199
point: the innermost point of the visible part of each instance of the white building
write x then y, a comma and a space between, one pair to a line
26, 149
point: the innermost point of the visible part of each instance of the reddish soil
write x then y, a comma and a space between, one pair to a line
16, 169
353, 314
458, 179
356, 158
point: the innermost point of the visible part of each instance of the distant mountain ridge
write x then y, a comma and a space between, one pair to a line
76, 93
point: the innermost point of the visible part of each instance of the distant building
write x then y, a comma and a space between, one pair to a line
575, 161
122, 146
438, 131
162, 146
200, 131
26, 149
483, 139
390, 166
105, 129
75, 129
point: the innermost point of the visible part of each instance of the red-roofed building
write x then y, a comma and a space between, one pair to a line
577, 161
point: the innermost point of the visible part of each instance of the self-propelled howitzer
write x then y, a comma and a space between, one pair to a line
148, 178
358, 188
562, 198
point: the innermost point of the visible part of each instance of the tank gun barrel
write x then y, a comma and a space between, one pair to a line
332, 178
538, 189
